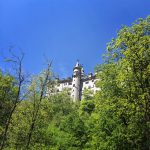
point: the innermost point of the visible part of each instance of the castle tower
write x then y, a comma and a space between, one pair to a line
76, 82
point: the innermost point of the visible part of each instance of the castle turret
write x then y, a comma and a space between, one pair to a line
76, 83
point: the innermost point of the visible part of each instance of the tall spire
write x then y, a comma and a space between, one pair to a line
77, 64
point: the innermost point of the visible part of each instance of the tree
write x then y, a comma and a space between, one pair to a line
7, 94
39, 92
116, 117
17, 86
123, 104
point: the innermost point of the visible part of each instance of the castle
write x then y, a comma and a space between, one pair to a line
77, 83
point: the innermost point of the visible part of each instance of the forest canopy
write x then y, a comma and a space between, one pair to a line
116, 118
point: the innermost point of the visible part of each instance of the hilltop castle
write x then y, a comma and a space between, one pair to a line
77, 83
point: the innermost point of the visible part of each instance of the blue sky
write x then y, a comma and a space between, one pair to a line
64, 30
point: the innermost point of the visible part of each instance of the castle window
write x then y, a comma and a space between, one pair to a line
73, 85
70, 83
57, 90
86, 82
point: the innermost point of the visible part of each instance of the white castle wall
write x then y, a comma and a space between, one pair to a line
78, 83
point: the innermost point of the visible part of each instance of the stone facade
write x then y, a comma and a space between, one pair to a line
77, 83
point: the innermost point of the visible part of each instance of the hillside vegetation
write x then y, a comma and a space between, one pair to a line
116, 118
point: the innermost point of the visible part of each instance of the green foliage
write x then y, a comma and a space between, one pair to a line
8, 91
87, 104
123, 104
115, 118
